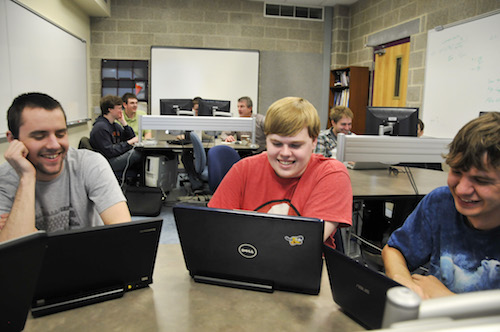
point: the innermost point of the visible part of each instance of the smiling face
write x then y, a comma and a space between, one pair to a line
344, 126
45, 135
290, 155
477, 195
130, 107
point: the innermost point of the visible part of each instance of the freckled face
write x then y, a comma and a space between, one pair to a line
290, 155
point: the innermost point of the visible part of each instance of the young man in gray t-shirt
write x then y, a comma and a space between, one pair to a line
47, 185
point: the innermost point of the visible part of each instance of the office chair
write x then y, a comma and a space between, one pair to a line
200, 157
220, 159
85, 143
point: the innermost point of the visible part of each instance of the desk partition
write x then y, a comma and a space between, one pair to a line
162, 122
391, 149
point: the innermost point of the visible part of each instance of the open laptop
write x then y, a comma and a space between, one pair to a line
251, 250
95, 264
357, 289
20, 262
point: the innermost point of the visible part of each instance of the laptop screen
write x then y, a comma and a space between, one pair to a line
357, 289
95, 264
251, 250
20, 263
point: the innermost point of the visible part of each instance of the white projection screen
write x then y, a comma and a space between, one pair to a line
219, 74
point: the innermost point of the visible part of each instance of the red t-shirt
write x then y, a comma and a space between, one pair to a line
323, 191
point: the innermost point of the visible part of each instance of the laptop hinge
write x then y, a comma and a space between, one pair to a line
261, 287
47, 309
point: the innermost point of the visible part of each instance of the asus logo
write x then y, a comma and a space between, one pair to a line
363, 289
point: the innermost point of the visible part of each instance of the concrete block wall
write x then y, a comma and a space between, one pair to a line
370, 16
136, 25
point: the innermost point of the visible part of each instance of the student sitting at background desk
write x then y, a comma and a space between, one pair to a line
131, 114
289, 179
245, 106
341, 120
114, 141
47, 185
455, 228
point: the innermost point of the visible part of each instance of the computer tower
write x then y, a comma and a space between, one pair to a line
161, 172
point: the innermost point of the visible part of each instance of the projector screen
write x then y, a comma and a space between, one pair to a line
218, 74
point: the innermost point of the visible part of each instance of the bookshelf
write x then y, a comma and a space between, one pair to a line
349, 87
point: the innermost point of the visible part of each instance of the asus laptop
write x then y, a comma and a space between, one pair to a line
20, 262
357, 289
251, 250
95, 264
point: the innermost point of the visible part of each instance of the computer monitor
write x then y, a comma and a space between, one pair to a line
173, 106
393, 121
209, 107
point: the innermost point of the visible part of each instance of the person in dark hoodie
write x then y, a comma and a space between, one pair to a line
113, 141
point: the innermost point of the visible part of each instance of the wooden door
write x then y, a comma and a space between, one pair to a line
391, 75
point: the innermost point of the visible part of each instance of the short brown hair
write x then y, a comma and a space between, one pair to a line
108, 102
289, 115
476, 139
339, 112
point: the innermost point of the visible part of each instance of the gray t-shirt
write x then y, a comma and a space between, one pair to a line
86, 187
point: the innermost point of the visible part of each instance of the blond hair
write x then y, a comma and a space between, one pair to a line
289, 115
339, 112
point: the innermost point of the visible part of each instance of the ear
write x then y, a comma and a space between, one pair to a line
315, 142
10, 136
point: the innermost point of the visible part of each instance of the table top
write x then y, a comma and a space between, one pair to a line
379, 182
174, 302
162, 145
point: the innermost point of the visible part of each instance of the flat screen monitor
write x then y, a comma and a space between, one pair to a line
208, 107
393, 121
171, 106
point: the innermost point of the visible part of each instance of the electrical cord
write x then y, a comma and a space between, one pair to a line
124, 174
412, 180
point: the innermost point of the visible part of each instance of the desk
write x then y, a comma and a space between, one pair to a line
164, 145
379, 183
174, 302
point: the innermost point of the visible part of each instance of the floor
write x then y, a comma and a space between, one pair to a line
169, 232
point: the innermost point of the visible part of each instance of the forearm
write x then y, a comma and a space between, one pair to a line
395, 266
21, 219
329, 228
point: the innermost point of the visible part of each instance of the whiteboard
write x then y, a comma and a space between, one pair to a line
462, 75
219, 74
36, 55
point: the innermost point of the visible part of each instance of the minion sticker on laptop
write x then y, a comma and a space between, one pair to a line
295, 240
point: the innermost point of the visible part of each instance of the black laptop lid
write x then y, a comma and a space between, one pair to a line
81, 265
357, 289
276, 252
20, 262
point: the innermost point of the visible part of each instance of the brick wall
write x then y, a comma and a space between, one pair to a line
136, 25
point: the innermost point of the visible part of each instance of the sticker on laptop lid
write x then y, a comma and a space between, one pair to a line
295, 240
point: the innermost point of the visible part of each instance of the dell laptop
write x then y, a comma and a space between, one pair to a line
20, 263
95, 264
357, 289
251, 250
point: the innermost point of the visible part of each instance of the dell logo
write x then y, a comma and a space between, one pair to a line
247, 250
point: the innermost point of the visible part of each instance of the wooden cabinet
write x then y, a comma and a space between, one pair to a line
121, 76
349, 87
